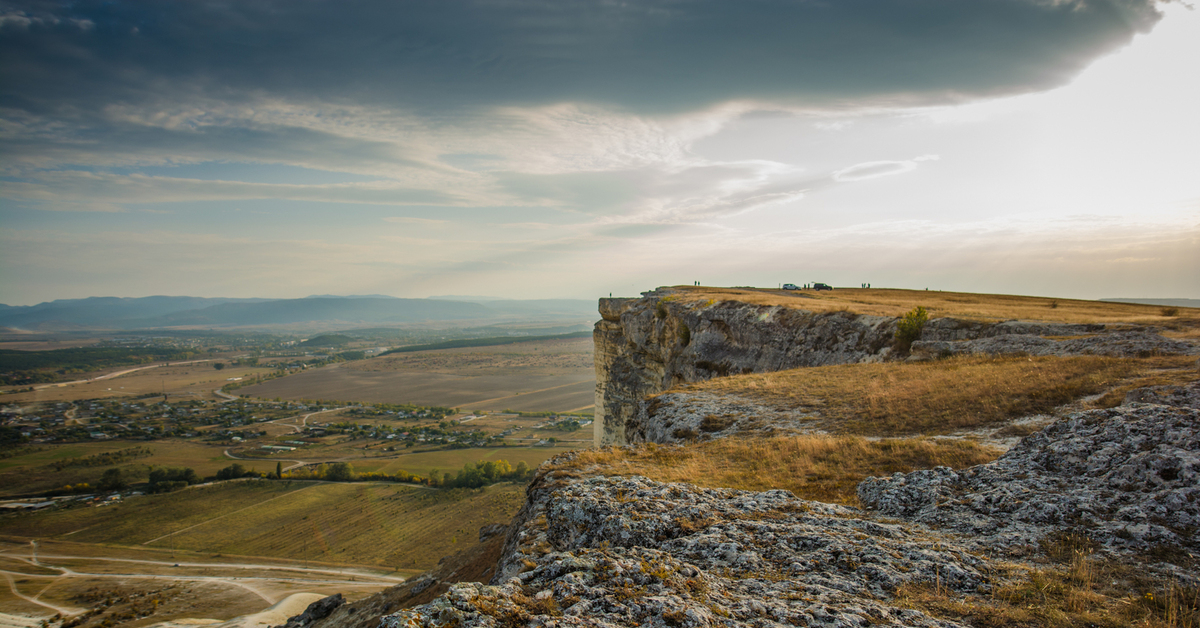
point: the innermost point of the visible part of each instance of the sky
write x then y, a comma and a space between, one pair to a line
577, 148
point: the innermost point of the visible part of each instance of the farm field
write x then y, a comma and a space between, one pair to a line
552, 376
135, 587
32, 470
196, 380
387, 526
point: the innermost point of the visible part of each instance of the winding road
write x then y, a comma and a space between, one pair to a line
325, 576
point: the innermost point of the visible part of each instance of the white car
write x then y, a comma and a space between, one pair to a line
790, 286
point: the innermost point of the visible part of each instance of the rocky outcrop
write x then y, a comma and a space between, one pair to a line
607, 551
1127, 477
1185, 396
473, 564
320, 609
630, 551
691, 415
1122, 344
648, 345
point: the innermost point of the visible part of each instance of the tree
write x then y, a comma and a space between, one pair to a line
340, 472
218, 365
165, 479
278, 470
232, 472
112, 480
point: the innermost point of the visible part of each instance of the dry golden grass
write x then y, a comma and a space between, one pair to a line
1079, 591
946, 395
965, 305
822, 468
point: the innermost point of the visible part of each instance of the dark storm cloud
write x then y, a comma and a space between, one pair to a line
434, 56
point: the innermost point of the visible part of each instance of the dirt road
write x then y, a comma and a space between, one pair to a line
257, 582
116, 374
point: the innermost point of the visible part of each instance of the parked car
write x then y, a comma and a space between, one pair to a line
790, 286
822, 286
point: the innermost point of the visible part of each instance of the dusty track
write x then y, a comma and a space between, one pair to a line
115, 374
253, 584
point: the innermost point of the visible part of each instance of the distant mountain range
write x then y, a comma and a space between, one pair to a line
115, 313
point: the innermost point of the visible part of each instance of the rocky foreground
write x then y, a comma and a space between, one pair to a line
606, 551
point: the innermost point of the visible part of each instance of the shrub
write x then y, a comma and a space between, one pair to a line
166, 479
1170, 311
235, 471
112, 480
909, 328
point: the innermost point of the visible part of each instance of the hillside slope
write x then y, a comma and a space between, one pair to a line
1090, 519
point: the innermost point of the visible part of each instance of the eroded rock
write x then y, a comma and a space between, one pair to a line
1122, 344
1127, 477
623, 551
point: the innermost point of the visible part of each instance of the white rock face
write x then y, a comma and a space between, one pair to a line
626, 551
605, 551
647, 346
1127, 477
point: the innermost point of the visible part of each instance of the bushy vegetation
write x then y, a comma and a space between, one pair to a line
22, 367
908, 329
335, 472
235, 471
105, 459
167, 479
484, 472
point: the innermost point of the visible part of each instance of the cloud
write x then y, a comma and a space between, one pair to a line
436, 56
875, 169
409, 220
74, 190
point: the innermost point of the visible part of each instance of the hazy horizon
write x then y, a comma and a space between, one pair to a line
539, 150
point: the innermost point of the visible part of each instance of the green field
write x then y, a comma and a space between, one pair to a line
381, 525
32, 472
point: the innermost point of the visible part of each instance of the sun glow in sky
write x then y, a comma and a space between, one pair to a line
573, 150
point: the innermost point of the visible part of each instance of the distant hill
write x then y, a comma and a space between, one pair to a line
101, 312
113, 313
287, 311
1164, 302
327, 340
356, 296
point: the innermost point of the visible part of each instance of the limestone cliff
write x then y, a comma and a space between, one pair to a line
593, 549
648, 345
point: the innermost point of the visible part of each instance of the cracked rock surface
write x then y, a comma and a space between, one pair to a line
608, 551
1136, 343
1127, 477
623, 551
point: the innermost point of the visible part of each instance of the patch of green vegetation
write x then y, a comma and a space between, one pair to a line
24, 367
328, 340
908, 329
